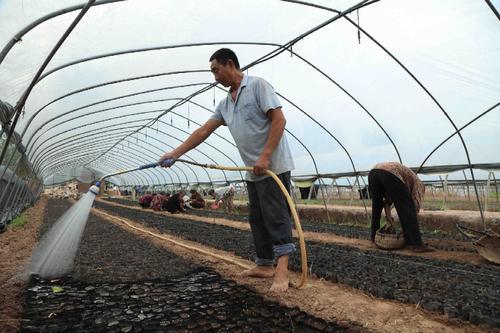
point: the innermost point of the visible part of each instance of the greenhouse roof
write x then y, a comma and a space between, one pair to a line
360, 82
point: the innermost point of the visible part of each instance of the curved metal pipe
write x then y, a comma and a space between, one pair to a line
18, 37
76, 162
29, 145
86, 143
42, 152
81, 157
93, 130
453, 134
20, 104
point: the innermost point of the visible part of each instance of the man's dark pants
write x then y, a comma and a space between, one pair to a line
270, 219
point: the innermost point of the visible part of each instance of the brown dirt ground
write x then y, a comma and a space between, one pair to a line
16, 245
321, 298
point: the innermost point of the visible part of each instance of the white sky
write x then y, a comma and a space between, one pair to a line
451, 46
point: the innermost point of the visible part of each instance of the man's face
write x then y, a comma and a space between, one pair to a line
221, 72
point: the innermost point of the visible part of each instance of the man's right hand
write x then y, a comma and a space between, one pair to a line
167, 160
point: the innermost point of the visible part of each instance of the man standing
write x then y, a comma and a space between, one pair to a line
254, 117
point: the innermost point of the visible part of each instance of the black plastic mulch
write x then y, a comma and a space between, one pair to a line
124, 283
345, 230
461, 290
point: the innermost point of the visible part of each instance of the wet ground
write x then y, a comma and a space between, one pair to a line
124, 283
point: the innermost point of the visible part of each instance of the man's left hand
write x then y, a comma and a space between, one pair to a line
261, 166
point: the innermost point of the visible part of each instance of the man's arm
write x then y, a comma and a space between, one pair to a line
278, 123
194, 140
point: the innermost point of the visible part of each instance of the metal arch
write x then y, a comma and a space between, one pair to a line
300, 57
112, 137
133, 157
329, 133
60, 168
79, 136
44, 157
307, 62
189, 157
139, 162
123, 179
274, 53
340, 87
315, 167
43, 150
335, 138
143, 149
53, 153
356, 101
132, 176
76, 159
190, 45
217, 149
322, 127
28, 145
493, 9
143, 176
20, 104
201, 152
80, 157
18, 37
100, 85
218, 135
85, 125
447, 117
93, 123
297, 39
454, 133
147, 49
98, 129
132, 162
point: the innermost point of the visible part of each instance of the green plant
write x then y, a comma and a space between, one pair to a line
19, 221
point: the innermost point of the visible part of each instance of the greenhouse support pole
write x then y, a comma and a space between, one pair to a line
487, 191
467, 185
14, 203
496, 185
6, 189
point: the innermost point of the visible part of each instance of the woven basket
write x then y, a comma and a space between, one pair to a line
389, 241
489, 248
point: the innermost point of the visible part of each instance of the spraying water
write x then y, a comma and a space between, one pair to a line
56, 251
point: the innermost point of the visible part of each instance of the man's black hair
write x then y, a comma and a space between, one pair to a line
223, 55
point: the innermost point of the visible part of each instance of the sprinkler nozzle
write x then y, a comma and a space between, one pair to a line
95, 188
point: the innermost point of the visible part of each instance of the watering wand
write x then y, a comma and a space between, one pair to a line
169, 162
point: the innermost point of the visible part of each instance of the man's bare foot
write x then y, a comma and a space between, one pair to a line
259, 272
281, 280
